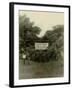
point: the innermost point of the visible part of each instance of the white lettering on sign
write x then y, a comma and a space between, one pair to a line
41, 46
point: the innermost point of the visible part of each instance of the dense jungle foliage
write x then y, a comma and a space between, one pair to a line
28, 37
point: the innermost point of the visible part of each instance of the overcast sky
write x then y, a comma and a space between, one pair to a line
45, 20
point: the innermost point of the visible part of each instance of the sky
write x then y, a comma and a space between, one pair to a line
44, 20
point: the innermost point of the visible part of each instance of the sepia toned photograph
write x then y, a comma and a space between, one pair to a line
41, 44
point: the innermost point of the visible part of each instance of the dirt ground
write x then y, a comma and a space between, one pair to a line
32, 69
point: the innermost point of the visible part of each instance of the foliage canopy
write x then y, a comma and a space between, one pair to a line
28, 36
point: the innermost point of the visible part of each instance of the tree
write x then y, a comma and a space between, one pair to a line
56, 41
27, 33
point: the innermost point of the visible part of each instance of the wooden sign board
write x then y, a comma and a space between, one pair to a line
41, 46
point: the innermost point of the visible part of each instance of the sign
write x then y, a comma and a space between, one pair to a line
41, 46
